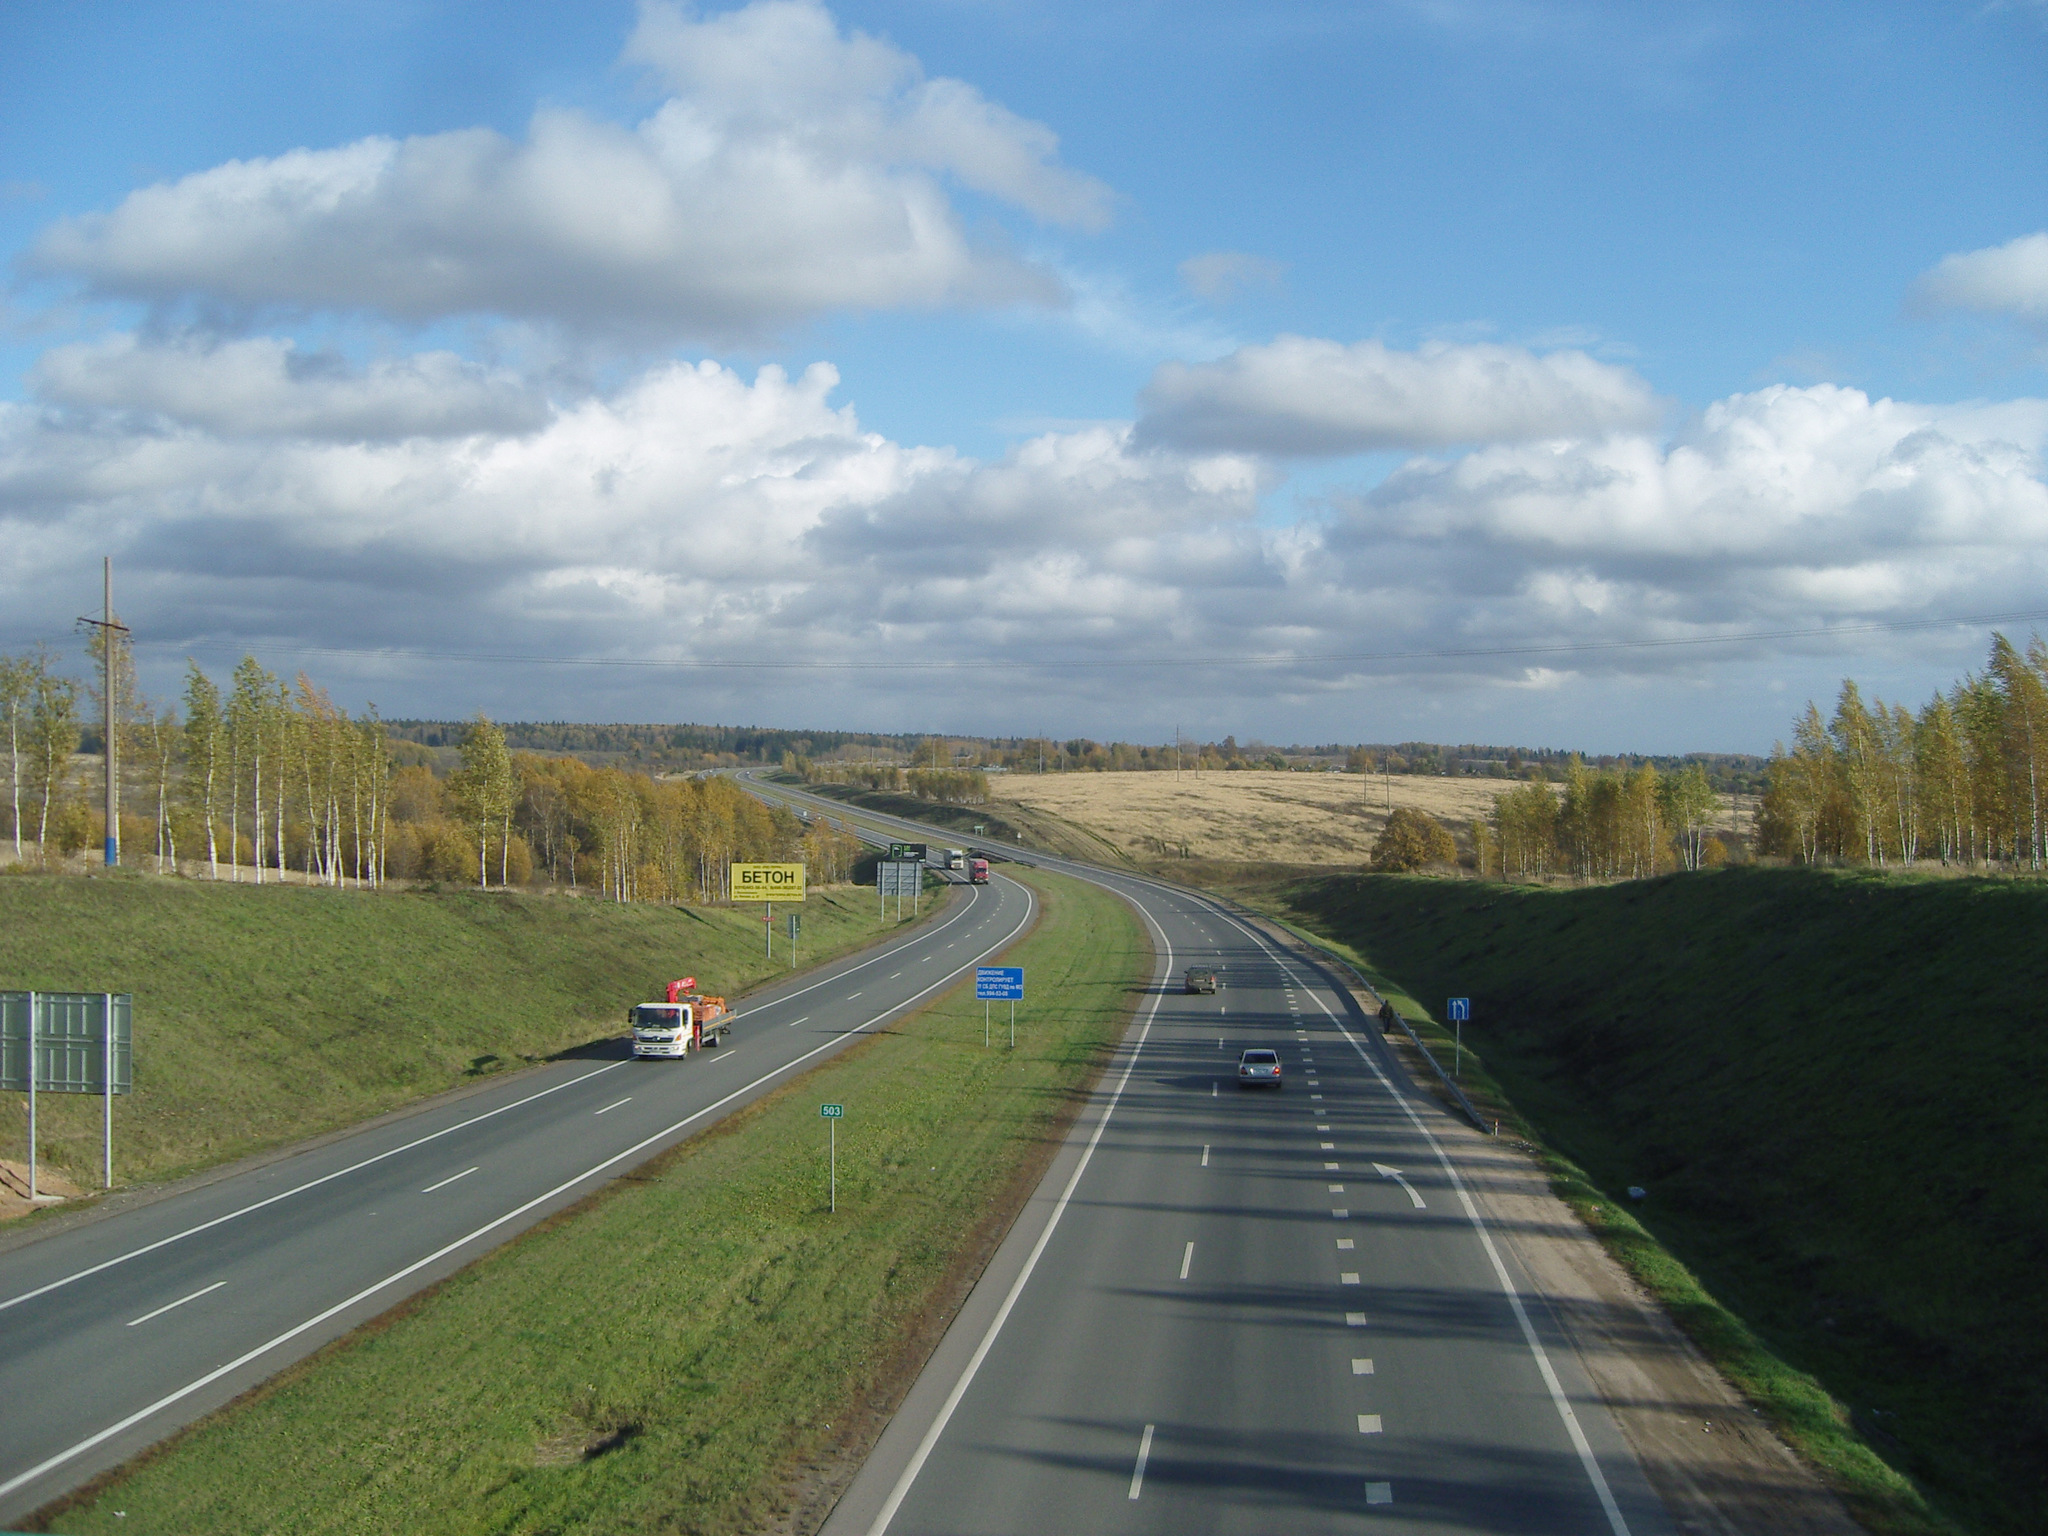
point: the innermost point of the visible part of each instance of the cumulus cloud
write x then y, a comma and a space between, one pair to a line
1301, 395
695, 514
2009, 279
1786, 505
265, 387
1220, 276
797, 170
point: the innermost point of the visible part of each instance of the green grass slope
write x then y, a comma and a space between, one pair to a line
269, 1013
1833, 1086
703, 1347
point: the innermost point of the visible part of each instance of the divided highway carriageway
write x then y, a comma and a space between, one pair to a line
1235, 1310
115, 1332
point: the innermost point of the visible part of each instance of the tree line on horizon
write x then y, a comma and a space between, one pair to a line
255, 776
1962, 779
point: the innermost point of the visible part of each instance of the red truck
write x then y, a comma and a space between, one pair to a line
977, 871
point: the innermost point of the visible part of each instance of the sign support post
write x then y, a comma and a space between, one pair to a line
31, 1098
1460, 1010
992, 982
831, 1113
107, 1100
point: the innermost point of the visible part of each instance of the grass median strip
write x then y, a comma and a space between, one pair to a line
700, 1347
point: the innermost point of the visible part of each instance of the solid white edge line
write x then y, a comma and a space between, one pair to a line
1573, 1430
50, 1463
328, 1178
465, 1173
160, 1311
938, 1425
1144, 1455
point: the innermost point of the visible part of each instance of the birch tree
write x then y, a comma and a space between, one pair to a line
204, 731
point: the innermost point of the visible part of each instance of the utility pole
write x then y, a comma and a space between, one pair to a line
108, 630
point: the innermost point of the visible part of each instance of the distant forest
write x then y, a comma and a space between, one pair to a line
677, 748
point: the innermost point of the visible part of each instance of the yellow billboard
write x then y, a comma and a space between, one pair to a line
767, 882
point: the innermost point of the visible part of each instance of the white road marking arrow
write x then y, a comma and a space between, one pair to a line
1395, 1174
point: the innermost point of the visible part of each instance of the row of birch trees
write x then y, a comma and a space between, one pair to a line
1962, 780
1603, 824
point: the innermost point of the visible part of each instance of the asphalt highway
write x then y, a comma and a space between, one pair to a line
1247, 1311
115, 1332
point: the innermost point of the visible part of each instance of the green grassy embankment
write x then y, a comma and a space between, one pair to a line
265, 1014
1831, 1086
701, 1348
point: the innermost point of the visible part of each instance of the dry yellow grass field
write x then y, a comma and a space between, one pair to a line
1287, 818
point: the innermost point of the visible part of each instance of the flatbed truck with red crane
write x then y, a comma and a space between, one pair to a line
687, 1021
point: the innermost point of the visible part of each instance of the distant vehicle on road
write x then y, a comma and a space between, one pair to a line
688, 1021
1258, 1069
1201, 978
977, 871
956, 858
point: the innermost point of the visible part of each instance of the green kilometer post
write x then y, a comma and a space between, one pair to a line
832, 1114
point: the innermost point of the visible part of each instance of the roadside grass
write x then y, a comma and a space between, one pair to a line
700, 1348
265, 1014
1830, 1085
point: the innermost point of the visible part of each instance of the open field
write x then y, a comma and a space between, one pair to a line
1287, 818
266, 1014
1826, 1086
701, 1347
1253, 816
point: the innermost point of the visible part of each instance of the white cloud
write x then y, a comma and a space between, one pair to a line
1300, 395
797, 171
265, 387
693, 513
2007, 279
1220, 276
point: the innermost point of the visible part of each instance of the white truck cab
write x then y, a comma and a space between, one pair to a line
672, 1029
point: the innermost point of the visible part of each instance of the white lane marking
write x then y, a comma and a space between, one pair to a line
1379, 1493
1212, 1090
1340, 1213
1395, 1174
1349, 1277
1336, 1189
1354, 1319
807, 1018
1325, 1146
463, 1125
1346, 1243
1315, 1096
1219, 1038
325, 1178
610, 1107
1368, 1423
851, 996
1205, 1154
988, 1340
1361, 1367
892, 976
443, 1184
160, 1311
201, 1383
1322, 1127
1573, 1429
1144, 1455
1330, 1168
1187, 1258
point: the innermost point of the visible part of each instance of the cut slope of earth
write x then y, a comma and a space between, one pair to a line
1834, 1088
265, 1014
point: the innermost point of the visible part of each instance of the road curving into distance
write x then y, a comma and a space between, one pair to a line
115, 1332
1246, 1311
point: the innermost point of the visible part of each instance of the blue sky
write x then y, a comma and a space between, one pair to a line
1230, 340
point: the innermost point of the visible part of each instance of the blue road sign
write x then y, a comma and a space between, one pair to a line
1461, 1010
998, 983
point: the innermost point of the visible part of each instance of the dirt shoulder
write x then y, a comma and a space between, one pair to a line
1718, 1468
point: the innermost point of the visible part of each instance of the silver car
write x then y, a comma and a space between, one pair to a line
1258, 1069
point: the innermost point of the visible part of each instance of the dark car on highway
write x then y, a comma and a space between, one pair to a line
1200, 978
